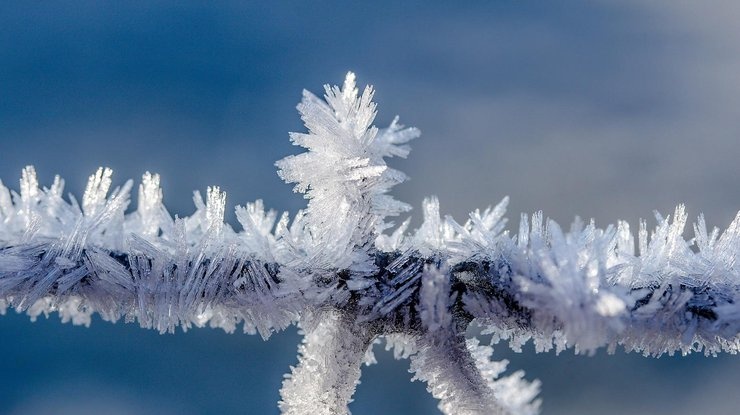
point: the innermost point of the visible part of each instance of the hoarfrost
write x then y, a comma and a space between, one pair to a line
335, 271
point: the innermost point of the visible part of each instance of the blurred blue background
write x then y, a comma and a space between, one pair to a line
600, 109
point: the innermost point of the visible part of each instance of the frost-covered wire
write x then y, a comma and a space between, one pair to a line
338, 271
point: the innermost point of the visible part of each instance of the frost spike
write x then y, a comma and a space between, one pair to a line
96, 191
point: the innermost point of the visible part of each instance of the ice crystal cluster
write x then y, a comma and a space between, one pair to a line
341, 272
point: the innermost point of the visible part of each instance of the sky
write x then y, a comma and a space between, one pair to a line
606, 110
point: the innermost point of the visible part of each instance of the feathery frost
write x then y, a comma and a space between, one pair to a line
335, 271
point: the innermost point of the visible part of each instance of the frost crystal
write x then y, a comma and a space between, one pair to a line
335, 272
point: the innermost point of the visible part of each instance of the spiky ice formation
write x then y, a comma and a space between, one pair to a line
334, 271
344, 177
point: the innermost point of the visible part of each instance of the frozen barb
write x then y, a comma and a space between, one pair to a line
335, 271
330, 357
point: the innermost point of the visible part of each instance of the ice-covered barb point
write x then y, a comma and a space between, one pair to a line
348, 284
344, 177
